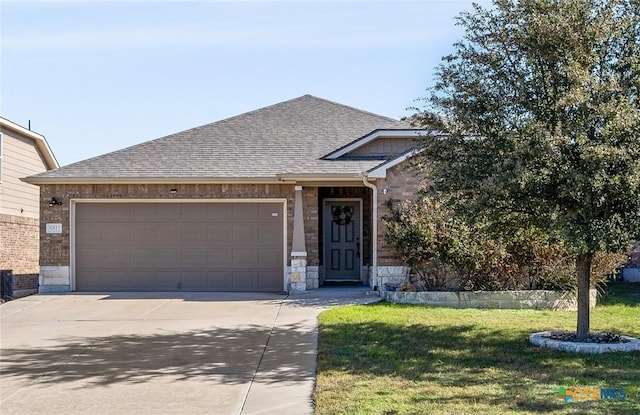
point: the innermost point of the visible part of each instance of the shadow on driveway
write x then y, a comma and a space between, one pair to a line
232, 354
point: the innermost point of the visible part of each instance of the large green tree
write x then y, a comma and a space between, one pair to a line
537, 114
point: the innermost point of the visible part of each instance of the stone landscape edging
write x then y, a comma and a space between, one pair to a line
523, 299
540, 339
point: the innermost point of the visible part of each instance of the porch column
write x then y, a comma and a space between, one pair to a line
298, 278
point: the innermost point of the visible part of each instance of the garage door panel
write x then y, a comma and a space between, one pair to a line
220, 258
143, 233
269, 280
245, 212
87, 258
119, 279
115, 233
91, 281
269, 233
220, 212
142, 258
244, 234
168, 234
194, 212
168, 258
194, 281
92, 234
193, 233
140, 279
167, 280
194, 258
115, 212
269, 258
90, 213
244, 280
179, 246
219, 234
143, 212
245, 257
115, 257
168, 212
219, 280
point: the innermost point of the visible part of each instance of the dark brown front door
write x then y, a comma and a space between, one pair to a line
342, 247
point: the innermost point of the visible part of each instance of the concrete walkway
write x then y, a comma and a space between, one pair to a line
163, 353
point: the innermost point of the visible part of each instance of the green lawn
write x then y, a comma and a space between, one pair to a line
400, 359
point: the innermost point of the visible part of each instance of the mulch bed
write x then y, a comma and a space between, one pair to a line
568, 336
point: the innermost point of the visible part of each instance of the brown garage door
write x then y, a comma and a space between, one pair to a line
179, 247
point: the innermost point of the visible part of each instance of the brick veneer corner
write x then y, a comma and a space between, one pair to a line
19, 250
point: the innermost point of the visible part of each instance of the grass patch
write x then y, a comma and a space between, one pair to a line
402, 359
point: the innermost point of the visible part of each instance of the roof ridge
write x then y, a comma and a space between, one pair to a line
286, 102
271, 106
351, 108
238, 115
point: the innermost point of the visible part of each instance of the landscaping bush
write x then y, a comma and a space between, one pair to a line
448, 252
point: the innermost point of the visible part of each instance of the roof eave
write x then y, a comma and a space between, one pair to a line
40, 141
333, 177
150, 180
380, 171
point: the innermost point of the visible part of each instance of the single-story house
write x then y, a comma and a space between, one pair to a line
22, 152
283, 198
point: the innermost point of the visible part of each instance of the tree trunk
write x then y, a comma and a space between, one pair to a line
583, 274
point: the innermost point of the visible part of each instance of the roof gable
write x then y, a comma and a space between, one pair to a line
38, 139
355, 147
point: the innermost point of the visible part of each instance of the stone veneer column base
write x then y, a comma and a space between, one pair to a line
313, 277
54, 279
298, 275
392, 275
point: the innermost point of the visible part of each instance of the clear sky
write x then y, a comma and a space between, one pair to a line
94, 77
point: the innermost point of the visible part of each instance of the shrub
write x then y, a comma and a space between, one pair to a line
447, 252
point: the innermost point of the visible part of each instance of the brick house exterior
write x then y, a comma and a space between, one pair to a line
329, 167
22, 153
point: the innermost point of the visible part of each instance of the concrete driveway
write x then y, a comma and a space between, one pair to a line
163, 353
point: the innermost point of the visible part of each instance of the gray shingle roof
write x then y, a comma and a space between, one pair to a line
286, 138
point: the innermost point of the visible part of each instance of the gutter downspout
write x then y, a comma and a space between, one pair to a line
374, 230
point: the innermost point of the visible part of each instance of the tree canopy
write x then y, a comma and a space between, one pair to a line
536, 119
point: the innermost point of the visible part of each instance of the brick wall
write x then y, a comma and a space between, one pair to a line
55, 248
19, 248
401, 184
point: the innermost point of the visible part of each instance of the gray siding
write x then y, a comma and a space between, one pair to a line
384, 146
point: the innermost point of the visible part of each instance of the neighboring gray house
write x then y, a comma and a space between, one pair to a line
22, 153
283, 198
631, 271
